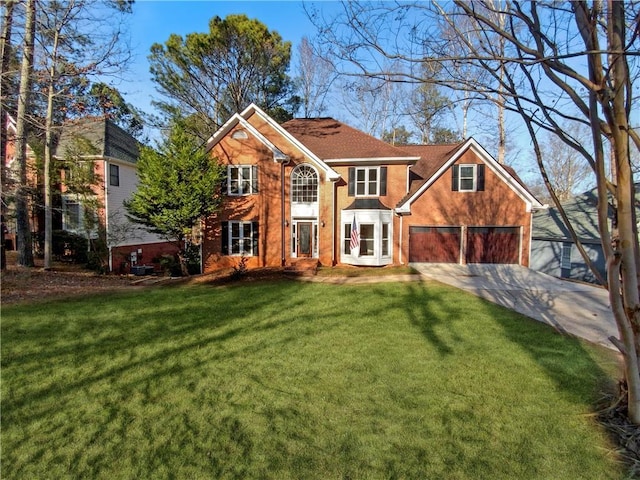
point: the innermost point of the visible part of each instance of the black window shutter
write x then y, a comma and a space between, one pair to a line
224, 181
480, 180
225, 238
454, 177
254, 239
352, 182
254, 179
383, 181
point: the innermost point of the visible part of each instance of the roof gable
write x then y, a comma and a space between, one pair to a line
242, 118
435, 161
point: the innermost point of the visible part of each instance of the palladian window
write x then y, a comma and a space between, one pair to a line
304, 184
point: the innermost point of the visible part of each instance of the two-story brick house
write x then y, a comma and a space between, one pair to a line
299, 190
107, 156
113, 155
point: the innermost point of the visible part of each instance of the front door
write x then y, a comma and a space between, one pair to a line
304, 239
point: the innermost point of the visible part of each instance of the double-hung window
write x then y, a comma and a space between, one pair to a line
467, 178
240, 238
78, 219
367, 181
242, 179
386, 240
367, 239
71, 214
114, 175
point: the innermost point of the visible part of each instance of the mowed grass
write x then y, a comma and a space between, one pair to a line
297, 380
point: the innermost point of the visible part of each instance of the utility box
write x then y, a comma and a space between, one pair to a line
140, 270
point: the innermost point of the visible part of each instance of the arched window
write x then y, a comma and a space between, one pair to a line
304, 184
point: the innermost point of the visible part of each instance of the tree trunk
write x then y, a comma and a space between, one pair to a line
182, 258
617, 116
48, 154
5, 55
25, 252
502, 136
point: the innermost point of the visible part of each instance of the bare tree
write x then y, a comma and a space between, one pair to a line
75, 41
5, 55
568, 173
23, 229
5, 83
556, 63
315, 78
426, 106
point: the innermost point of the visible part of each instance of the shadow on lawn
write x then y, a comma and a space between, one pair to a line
148, 335
143, 347
562, 356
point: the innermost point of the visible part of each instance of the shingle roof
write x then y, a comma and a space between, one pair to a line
367, 204
330, 139
104, 136
582, 213
432, 157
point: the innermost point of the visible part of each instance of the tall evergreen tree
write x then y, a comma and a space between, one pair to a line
178, 186
209, 76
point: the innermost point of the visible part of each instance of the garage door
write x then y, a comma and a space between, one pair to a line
493, 244
434, 244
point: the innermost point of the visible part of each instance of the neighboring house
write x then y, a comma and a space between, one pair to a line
97, 150
317, 188
554, 252
114, 155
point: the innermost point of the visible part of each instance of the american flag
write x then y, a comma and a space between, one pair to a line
355, 238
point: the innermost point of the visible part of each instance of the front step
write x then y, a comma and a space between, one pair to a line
306, 267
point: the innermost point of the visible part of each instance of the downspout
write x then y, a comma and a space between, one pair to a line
400, 238
282, 213
333, 223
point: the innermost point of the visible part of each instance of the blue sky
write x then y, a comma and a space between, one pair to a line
153, 22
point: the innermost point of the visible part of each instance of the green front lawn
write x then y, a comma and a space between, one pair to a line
297, 380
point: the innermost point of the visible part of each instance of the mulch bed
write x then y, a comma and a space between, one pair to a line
20, 284
613, 417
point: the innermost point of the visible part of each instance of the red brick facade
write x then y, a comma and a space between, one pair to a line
398, 189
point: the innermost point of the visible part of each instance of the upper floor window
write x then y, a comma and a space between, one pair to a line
467, 178
242, 179
367, 181
304, 184
114, 175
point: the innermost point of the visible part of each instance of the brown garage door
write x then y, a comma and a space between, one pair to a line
493, 244
434, 244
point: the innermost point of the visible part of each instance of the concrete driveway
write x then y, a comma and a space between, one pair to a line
569, 307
